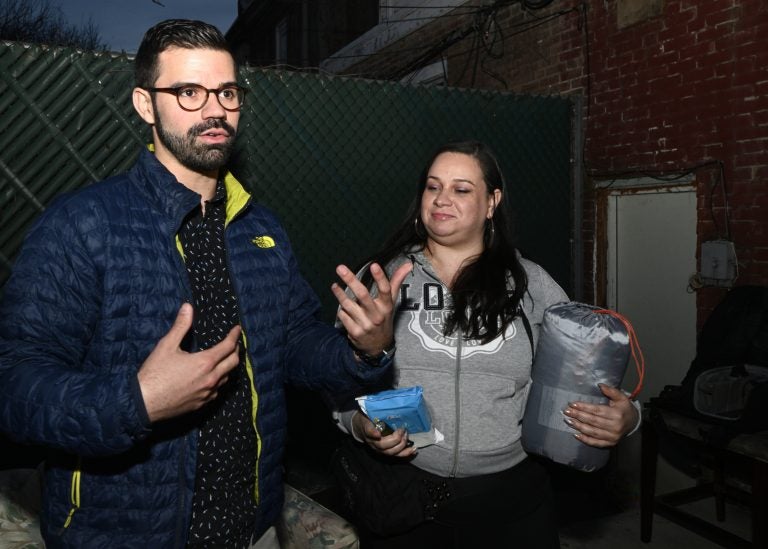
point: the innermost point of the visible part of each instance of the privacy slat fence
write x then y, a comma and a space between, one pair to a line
336, 158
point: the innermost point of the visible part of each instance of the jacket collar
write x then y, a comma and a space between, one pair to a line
171, 197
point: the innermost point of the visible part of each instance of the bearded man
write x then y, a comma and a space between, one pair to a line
152, 320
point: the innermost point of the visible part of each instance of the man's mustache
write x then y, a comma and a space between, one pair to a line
214, 123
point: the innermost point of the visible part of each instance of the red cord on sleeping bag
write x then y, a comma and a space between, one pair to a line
634, 345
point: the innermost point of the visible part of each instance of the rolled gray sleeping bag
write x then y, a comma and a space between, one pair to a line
577, 349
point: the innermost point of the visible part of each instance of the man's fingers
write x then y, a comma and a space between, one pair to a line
229, 344
180, 326
224, 355
234, 334
229, 363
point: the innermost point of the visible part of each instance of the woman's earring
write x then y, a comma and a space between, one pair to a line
490, 233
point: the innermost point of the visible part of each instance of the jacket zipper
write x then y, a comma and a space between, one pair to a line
457, 405
180, 522
180, 535
74, 495
248, 365
457, 392
254, 407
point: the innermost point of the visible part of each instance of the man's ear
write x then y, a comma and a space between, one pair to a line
142, 102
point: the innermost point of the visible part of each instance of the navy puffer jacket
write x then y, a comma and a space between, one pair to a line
99, 281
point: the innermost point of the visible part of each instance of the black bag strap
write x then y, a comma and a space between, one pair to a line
528, 330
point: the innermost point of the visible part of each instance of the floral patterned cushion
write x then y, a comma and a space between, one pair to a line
305, 524
19, 509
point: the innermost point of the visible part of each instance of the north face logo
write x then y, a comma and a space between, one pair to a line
264, 241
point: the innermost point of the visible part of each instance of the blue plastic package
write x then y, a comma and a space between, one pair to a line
399, 408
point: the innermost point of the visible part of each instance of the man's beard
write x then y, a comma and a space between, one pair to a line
196, 156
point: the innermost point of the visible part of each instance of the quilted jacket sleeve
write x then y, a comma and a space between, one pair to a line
319, 356
51, 392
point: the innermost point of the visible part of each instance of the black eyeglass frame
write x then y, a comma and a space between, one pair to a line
175, 90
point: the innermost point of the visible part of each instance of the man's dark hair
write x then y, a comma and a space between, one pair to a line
173, 33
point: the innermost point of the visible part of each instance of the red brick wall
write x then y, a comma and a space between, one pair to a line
669, 92
686, 87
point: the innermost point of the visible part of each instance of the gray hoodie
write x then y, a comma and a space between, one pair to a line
476, 392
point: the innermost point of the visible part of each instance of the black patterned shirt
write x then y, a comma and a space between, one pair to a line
223, 506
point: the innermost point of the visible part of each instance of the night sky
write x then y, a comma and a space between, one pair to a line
122, 23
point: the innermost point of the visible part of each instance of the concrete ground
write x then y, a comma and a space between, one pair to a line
596, 510
622, 530
591, 518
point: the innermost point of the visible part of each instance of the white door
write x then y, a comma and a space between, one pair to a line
651, 256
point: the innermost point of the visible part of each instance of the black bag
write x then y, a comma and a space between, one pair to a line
386, 495
726, 385
735, 396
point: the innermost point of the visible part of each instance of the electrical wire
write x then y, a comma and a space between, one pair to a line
488, 39
492, 35
584, 22
522, 28
469, 57
536, 5
723, 186
674, 175
477, 29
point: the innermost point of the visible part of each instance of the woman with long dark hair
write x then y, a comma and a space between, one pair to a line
466, 329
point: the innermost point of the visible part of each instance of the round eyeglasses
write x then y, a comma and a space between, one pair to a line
193, 97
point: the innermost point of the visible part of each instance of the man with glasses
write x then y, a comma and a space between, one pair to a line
152, 320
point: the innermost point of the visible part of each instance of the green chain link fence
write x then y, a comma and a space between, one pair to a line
336, 158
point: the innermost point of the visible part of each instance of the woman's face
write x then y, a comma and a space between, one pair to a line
456, 203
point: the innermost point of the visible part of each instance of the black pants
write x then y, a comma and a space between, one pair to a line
511, 509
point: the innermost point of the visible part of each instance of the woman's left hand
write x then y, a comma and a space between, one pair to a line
602, 425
